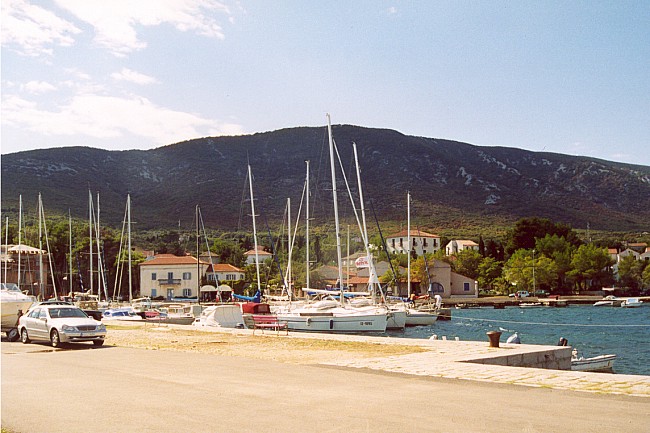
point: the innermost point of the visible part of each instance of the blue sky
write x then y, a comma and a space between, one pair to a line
567, 77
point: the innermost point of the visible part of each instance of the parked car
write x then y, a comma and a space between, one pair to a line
60, 323
520, 294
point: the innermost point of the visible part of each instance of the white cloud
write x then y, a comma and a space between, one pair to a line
132, 76
392, 10
107, 117
37, 87
115, 21
33, 30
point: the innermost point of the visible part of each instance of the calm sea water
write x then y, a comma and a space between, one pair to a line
592, 330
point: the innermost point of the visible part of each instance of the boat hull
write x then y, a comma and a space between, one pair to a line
420, 318
353, 323
602, 363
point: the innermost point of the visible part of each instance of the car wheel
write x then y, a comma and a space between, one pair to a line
13, 335
98, 342
55, 339
24, 337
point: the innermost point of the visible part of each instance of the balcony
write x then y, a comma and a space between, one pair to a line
169, 282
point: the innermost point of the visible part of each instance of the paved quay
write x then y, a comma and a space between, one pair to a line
465, 360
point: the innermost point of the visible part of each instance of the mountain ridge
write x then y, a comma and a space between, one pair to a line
450, 181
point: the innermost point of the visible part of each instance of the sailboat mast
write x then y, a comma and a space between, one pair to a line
198, 262
289, 248
257, 257
20, 231
40, 247
6, 244
128, 208
408, 241
90, 237
306, 228
70, 251
336, 206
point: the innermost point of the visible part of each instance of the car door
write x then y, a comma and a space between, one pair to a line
30, 322
40, 325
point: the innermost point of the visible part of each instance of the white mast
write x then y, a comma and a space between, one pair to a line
6, 244
90, 237
290, 249
408, 240
70, 251
128, 209
20, 230
40, 248
336, 206
257, 257
372, 273
306, 227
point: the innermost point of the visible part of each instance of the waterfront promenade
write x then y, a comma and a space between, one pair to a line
434, 388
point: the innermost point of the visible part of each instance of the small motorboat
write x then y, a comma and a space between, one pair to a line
631, 303
601, 363
609, 301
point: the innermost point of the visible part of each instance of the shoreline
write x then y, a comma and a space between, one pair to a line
473, 361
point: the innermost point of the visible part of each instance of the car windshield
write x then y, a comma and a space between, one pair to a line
66, 312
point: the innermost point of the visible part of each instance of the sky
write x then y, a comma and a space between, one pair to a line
570, 77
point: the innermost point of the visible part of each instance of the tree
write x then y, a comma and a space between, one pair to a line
468, 262
630, 272
528, 272
488, 272
589, 264
528, 230
560, 251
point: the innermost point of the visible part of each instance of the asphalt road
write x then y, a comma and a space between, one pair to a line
112, 389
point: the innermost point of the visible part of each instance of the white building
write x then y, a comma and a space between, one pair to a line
224, 273
421, 242
456, 246
171, 276
261, 254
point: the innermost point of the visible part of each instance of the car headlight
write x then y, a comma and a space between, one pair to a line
68, 328
101, 327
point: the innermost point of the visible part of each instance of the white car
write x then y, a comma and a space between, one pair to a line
60, 323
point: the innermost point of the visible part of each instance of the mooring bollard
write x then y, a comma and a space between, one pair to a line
494, 337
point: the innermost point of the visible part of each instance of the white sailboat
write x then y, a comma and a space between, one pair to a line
329, 316
415, 317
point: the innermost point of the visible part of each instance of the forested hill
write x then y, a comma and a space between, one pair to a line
451, 183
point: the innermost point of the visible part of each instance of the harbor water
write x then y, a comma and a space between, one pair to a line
594, 331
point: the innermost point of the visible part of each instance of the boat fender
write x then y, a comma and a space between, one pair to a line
331, 324
308, 321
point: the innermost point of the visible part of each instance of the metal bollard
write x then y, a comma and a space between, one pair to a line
494, 337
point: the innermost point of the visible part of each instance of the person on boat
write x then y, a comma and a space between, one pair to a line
563, 342
412, 299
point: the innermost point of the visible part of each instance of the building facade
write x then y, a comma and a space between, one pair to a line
421, 242
169, 276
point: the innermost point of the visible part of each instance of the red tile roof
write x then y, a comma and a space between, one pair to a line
414, 233
170, 259
223, 267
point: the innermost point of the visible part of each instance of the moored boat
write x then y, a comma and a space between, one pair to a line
601, 363
631, 303
14, 304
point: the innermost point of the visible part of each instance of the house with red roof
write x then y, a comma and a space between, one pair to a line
171, 276
421, 242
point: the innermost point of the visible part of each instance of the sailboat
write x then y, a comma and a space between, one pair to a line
329, 315
415, 317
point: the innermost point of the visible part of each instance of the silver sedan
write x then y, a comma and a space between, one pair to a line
60, 324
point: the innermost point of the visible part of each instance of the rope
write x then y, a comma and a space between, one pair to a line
584, 325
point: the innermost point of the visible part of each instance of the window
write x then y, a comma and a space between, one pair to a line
153, 293
170, 276
425, 243
466, 287
434, 243
401, 242
187, 275
153, 276
187, 293
393, 241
